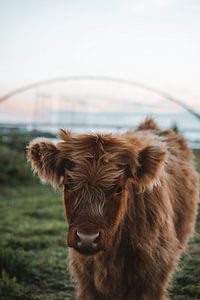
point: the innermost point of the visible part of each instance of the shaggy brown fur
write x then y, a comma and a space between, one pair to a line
139, 191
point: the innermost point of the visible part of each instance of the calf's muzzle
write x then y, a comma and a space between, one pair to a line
87, 240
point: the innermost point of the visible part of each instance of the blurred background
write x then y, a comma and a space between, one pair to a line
87, 66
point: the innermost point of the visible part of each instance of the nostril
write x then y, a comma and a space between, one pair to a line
95, 242
78, 237
79, 243
96, 237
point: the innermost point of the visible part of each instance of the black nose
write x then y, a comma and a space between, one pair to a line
87, 240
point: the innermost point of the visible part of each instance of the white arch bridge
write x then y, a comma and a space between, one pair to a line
82, 103
100, 78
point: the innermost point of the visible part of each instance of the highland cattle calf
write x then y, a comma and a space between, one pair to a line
130, 201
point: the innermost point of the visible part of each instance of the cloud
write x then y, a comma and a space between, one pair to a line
145, 6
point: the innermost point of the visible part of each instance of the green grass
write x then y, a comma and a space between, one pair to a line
33, 252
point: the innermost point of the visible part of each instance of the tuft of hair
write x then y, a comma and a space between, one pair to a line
64, 134
148, 123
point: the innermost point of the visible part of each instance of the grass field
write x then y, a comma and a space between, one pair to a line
33, 252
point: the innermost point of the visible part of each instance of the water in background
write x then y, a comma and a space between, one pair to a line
116, 122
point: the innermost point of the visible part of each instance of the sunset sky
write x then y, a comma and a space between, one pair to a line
155, 42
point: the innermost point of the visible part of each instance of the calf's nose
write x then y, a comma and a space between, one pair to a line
87, 240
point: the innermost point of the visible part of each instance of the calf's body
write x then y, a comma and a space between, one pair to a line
135, 196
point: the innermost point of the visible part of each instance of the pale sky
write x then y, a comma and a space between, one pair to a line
155, 42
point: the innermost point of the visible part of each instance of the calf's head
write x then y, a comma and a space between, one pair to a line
93, 171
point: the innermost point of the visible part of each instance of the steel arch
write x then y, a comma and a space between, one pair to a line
100, 78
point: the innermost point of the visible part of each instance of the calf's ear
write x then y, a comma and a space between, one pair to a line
147, 165
46, 161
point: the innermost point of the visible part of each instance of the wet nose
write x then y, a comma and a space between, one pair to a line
87, 240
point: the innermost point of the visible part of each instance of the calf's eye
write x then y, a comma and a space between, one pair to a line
118, 190
67, 187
